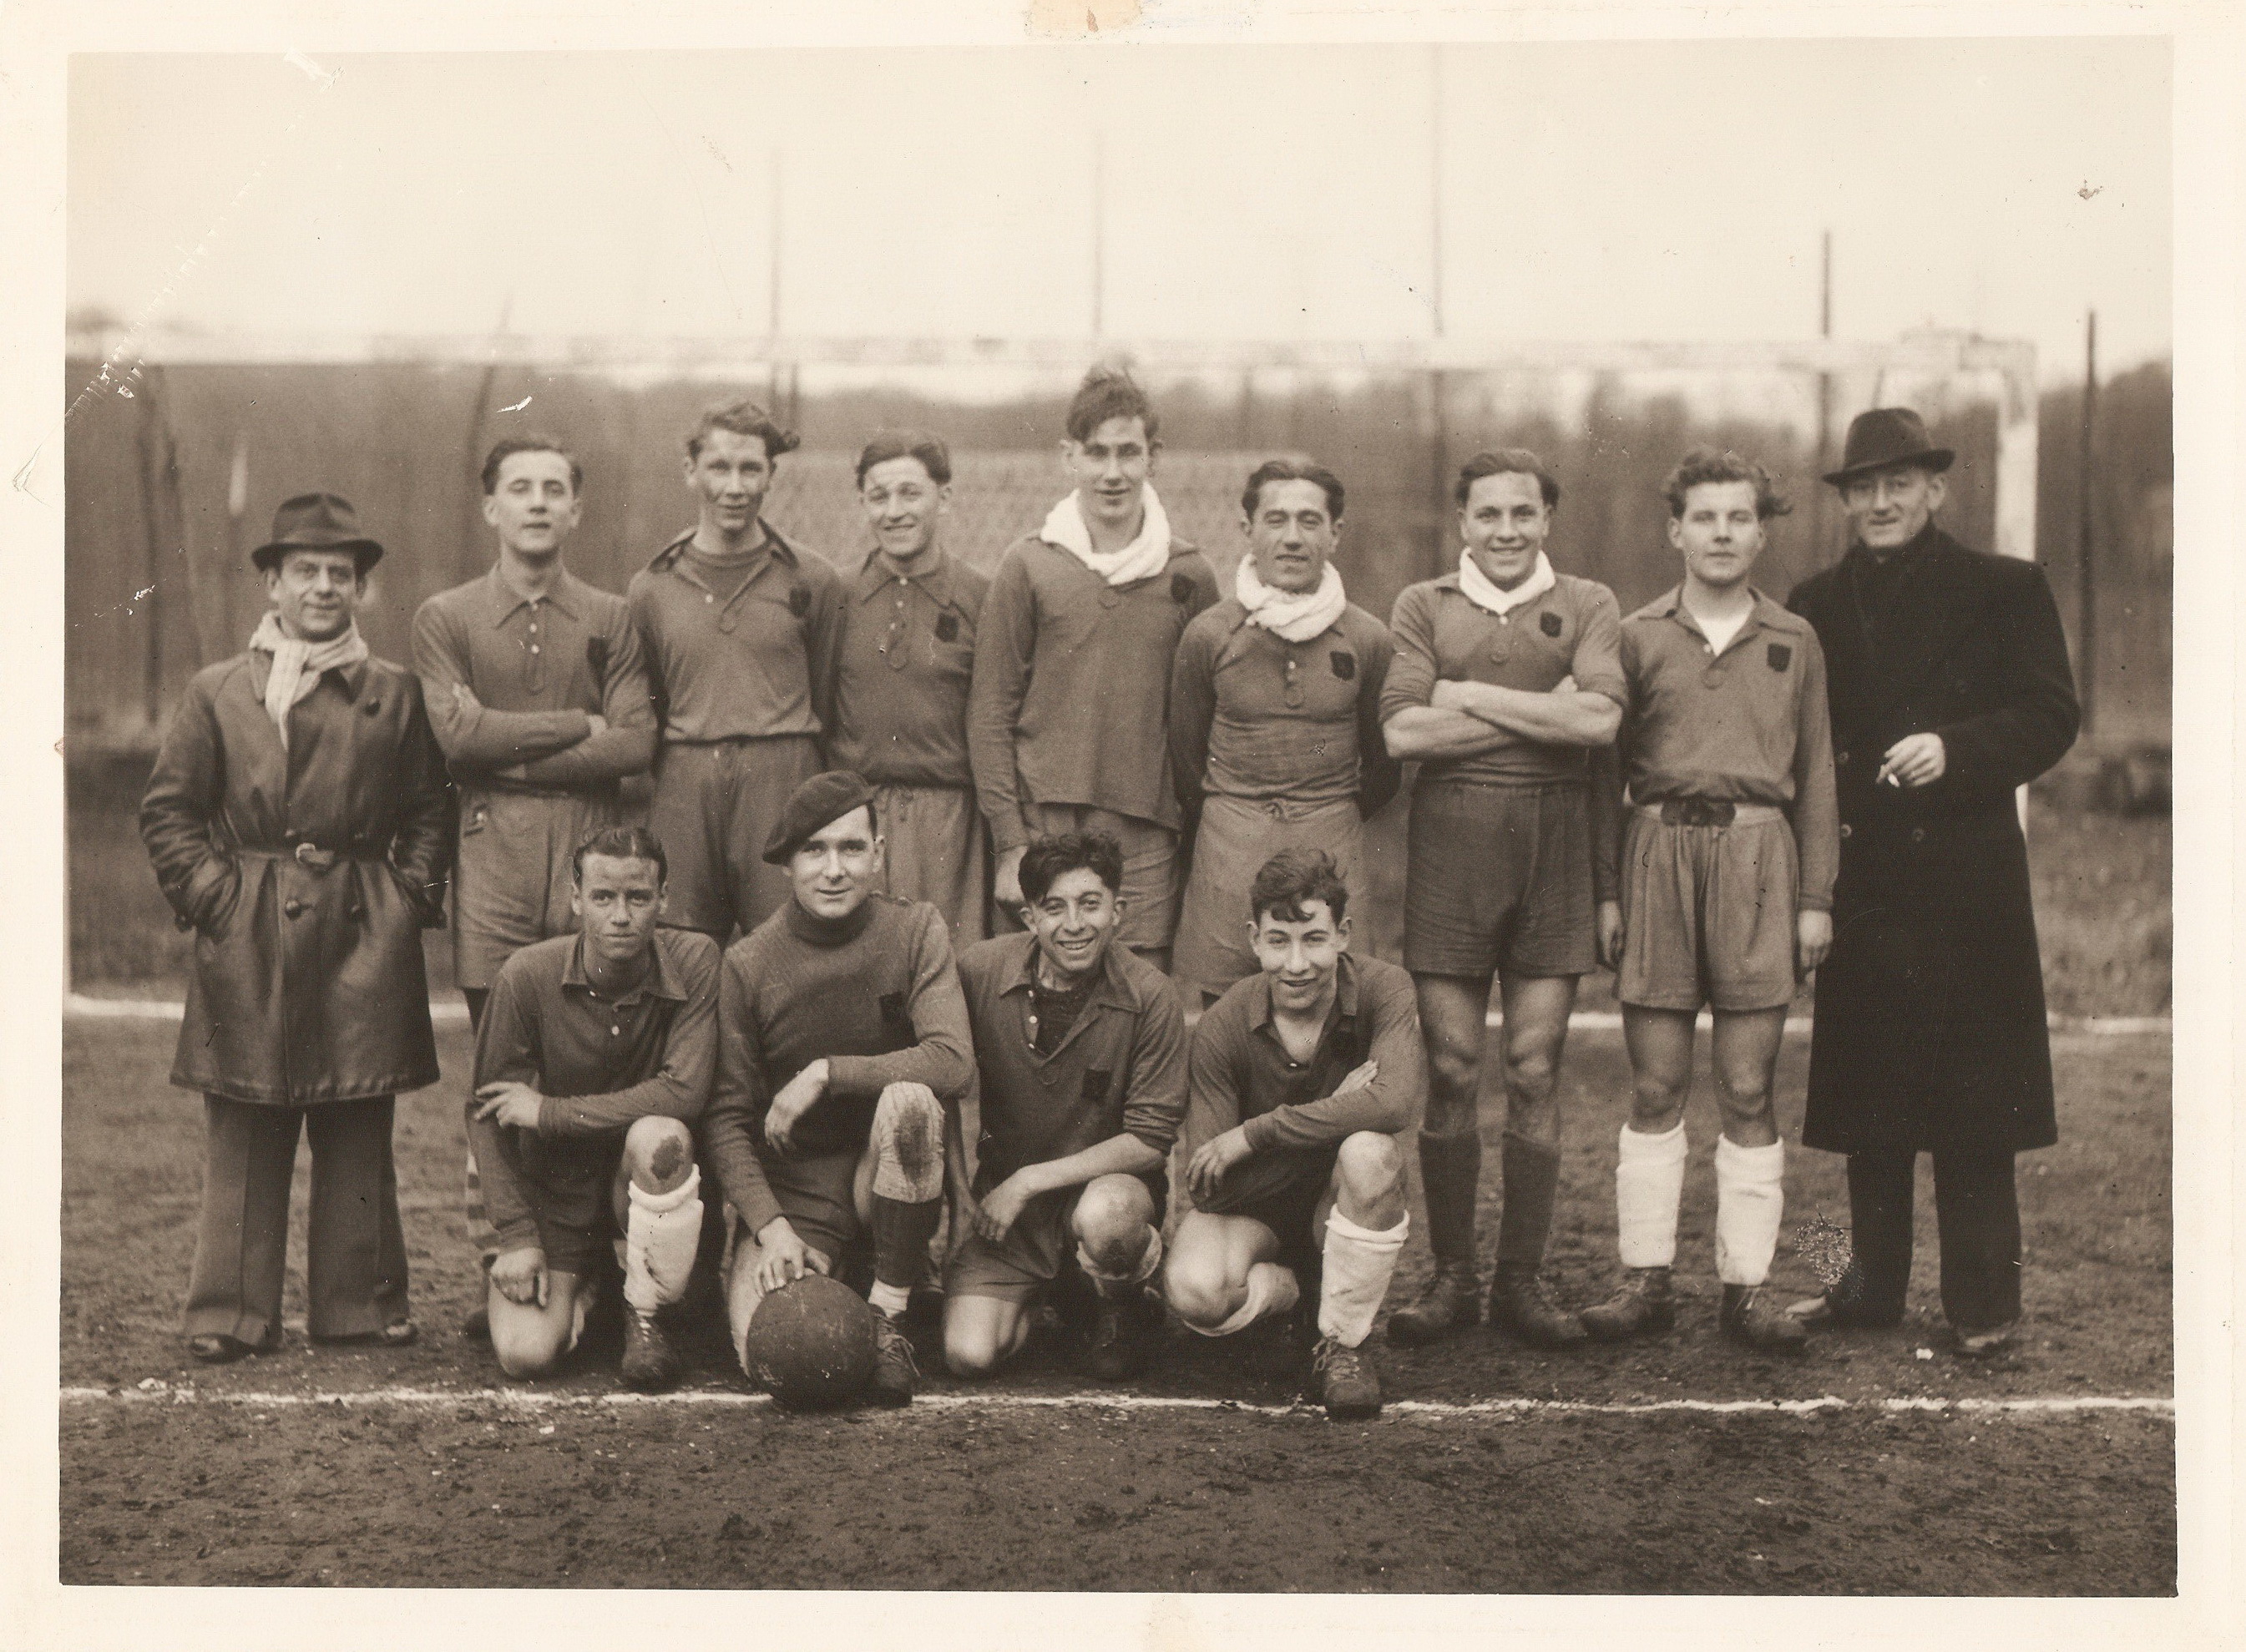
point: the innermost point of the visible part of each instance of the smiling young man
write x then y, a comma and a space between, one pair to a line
1505, 675
1080, 1065
300, 823
1302, 1076
741, 628
1723, 893
1951, 689
1275, 717
841, 1035
593, 1062
1068, 716
906, 659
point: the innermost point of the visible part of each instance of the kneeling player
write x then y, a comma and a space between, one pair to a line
1300, 1078
1726, 888
839, 1024
1081, 1057
592, 1063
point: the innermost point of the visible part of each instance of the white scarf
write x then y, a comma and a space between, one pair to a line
1142, 558
298, 665
1485, 592
1295, 615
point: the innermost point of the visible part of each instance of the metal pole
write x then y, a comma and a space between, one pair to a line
772, 282
1824, 390
2085, 570
1099, 231
1438, 389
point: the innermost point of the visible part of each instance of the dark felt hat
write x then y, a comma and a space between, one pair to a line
1888, 436
819, 801
317, 522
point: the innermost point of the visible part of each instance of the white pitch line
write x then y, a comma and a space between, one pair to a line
78, 1006
530, 1400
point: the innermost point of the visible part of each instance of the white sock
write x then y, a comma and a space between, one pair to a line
1149, 1259
1648, 1183
892, 1300
1272, 1289
1359, 1261
1750, 1201
660, 1239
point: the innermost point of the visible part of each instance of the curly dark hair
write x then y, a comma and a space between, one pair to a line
1704, 465
1292, 877
1505, 461
1047, 858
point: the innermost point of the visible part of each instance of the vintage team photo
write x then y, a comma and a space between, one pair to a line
1203, 818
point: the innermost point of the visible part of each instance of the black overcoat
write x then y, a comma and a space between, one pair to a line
1930, 1029
308, 874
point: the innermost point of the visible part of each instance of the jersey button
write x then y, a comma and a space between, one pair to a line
1919, 834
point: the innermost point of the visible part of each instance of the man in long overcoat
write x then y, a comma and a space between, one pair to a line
1948, 674
300, 822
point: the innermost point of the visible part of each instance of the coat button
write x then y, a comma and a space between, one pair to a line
292, 906
1919, 834
1839, 759
1846, 830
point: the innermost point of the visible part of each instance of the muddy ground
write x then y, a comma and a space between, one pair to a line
466, 1491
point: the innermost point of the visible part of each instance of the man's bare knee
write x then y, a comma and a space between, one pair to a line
660, 1152
525, 1352
1370, 1165
971, 1354
1198, 1290
1112, 1223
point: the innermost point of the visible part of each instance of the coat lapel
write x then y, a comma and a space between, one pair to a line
1929, 609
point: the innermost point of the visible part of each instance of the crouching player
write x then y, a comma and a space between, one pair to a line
840, 1025
592, 1065
1728, 857
1080, 1058
1300, 1078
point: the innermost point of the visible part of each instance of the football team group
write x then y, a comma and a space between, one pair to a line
991, 895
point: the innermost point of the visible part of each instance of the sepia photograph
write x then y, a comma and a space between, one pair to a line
1124, 813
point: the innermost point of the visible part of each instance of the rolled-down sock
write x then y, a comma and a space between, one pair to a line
1750, 1202
661, 1235
1272, 1289
1649, 1184
1360, 1262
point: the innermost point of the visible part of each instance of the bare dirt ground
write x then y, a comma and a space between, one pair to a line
172, 1483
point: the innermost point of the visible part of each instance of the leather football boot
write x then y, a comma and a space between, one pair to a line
1641, 1306
1519, 1303
649, 1362
895, 1371
1121, 1336
1451, 1301
1344, 1380
1751, 1317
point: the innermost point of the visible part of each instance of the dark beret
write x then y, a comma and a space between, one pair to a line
819, 801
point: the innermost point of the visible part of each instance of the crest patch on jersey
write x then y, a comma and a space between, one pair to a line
1181, 589
596, 656
895, 1021
1345, 663
1780, 656
1096, 1083
1550, 622
947, 628
798, 601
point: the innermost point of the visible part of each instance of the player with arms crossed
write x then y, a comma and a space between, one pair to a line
1302, 1076
593, 1064
1505, 676
1068, 717
1080, 1066
1725, 891
741, 629
1275, 717
905, 660
840, 1025
539, 695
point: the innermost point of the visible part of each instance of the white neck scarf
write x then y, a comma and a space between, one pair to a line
1142, 558
298, 665
1295, 615
1485, 592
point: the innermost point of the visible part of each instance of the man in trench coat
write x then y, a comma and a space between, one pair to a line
300, 822
1947, 671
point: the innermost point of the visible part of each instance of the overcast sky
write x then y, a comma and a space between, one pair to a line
1604, 190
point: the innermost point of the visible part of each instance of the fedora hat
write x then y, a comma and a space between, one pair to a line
1888, 436
317, 522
